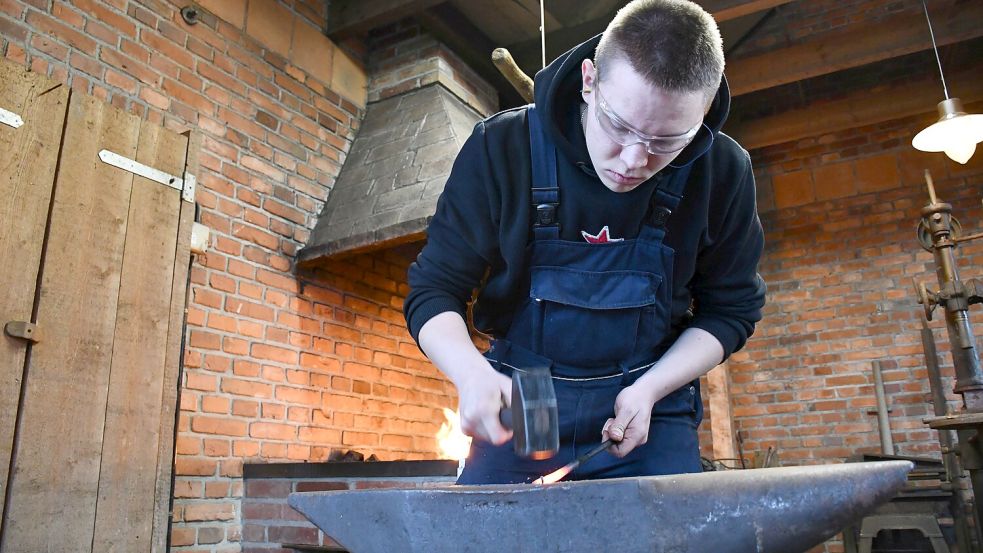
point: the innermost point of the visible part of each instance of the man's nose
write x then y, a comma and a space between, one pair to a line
635, 156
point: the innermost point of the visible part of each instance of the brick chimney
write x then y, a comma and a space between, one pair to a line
423, 102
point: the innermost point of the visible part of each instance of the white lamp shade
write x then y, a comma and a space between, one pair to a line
956, 133
961, 152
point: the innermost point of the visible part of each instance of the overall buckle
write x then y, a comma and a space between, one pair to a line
545, 215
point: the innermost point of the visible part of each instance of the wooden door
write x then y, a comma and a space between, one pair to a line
91, 448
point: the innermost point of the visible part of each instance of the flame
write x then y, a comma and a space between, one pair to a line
452, 443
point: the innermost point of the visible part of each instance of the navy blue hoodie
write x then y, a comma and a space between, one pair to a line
483, 218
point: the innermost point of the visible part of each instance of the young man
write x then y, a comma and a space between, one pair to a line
612, 232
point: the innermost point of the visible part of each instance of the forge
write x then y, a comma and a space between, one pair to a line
773, 510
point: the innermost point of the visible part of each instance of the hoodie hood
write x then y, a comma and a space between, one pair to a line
557, 94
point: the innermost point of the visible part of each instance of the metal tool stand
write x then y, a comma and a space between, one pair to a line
926, 524
939, 233
926, 499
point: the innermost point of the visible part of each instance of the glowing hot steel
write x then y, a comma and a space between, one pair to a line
555, 476
563, 471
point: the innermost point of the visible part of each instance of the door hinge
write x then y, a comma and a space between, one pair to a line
10, 118
185, 185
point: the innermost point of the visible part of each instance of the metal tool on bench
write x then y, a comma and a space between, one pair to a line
533, 416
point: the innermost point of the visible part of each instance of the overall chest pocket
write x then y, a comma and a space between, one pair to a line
592, 318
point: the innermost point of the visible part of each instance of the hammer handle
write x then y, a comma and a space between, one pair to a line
505, 417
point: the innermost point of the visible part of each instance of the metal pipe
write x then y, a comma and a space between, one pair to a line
947, 440
937, 217
883, 422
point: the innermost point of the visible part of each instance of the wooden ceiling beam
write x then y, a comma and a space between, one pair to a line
859, 44
863, 108
527, 53
725, 10
349, 17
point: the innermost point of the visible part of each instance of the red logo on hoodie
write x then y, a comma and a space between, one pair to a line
602, 237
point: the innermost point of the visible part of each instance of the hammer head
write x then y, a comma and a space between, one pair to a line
535, 424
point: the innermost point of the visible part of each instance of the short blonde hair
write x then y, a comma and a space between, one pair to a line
673, 44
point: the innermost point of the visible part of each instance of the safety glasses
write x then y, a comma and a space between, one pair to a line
621, 133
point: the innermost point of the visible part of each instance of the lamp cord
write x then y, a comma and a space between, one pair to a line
935, 48
542, 29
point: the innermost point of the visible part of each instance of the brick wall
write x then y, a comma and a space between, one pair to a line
839, 213
269, 522
404, 57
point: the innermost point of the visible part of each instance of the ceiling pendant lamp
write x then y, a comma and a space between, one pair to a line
956, 133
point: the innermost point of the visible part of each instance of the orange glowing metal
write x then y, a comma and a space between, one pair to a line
563, 471
555, 476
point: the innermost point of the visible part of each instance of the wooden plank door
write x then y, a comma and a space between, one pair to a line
27, 171
128, 475
93, 451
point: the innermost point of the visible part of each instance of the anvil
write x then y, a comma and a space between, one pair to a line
774, 510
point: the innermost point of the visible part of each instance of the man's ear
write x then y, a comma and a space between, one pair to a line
588, 78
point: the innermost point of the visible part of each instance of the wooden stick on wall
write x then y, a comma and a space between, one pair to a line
522, 83
721, 415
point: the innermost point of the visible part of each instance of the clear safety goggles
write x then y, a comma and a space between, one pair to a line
621, 133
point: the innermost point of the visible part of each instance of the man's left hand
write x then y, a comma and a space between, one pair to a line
630, 426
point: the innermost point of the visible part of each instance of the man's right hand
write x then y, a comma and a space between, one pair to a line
482, 396
481, 390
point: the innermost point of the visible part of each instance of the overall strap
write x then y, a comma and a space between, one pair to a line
545, 190
667, 197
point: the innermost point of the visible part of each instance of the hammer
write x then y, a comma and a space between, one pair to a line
533, 415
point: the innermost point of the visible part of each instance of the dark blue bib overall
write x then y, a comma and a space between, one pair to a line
598, 315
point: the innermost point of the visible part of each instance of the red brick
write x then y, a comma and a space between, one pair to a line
50, 47
249, 309
245, 449
793, 189
274, 353
246, 388
298, 396
186, 445
118, 80
235, 346
155, 98
321, 486
212, 404
167, 48
272, 430
217, 448
54, 28
183, 93
245, 408
352, 438
878, 173
192, 466
255, 235
197, 512
182, 536
218, 425
205, 340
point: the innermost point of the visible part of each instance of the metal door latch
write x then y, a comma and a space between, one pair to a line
23, 330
